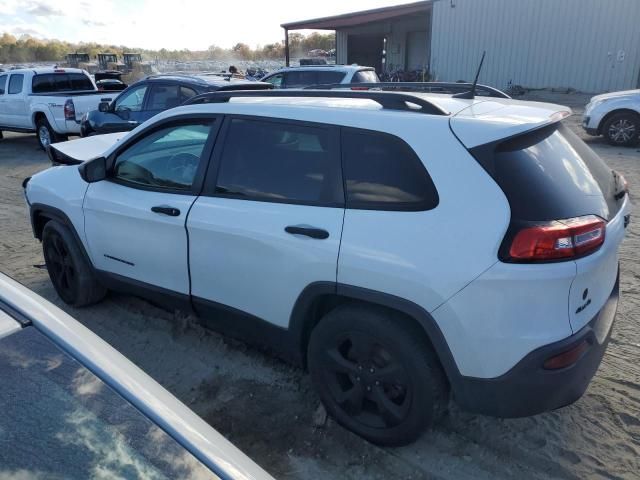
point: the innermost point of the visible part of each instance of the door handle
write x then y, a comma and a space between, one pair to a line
316, 233
172, 212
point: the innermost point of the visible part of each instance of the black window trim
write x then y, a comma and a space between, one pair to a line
205, 159
211, 179
423, 206
6, 78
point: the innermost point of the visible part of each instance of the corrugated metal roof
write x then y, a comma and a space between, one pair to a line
359, 18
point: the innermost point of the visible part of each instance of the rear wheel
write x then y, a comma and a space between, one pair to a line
622, 129
69, 271
46, 135
375, 375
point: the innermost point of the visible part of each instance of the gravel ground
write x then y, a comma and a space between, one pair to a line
270, 411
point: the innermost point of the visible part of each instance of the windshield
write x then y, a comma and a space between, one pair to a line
59, 421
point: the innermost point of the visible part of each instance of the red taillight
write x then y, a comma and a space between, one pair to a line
568, 358
69, 110
562, 239
359, 88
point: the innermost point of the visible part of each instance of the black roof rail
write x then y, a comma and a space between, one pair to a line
428, 87
387, 100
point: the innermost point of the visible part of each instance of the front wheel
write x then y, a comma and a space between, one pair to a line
71, 274
622, 129
375, 374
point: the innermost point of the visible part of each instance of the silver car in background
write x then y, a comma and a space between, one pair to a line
616, 116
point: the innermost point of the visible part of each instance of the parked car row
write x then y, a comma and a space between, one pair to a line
329, 226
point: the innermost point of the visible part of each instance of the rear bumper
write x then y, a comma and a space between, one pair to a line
528, 389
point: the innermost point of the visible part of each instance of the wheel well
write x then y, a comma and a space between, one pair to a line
612, 113
323, 304
36, 118
39, 221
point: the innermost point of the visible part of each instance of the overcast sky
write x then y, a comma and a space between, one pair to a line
176, 24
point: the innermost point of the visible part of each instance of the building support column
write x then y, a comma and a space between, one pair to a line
286, 47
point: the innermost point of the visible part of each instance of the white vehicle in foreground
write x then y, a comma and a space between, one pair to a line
74, 408
401, 246
47, 101
615, 115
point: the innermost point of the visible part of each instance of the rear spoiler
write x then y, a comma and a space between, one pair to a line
59, 158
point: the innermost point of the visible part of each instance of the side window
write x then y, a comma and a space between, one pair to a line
132, 100
3, 82
302, 78
327, 78
163, 97
382, 172
186, 93
165, 159
276, 80
15, 83
281, 162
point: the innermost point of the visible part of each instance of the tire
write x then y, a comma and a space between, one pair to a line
70, 272
375, 375
622, 129
45, 134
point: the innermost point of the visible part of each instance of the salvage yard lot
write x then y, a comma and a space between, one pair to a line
267, 407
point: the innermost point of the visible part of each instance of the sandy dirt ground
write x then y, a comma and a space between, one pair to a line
267, 407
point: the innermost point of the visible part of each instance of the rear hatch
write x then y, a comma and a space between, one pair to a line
552, 180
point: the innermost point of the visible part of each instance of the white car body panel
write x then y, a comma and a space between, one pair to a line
242, 257
488, 335
409, 254
84, 149
209, 446
597, 273
485, 122
126, 238
601, 105
62, 188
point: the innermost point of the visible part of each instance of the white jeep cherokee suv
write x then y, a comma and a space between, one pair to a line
403, 247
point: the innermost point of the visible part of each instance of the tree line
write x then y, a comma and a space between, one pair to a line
29, 49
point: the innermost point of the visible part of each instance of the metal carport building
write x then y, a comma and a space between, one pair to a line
588, 45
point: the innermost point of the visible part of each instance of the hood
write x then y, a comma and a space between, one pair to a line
491, 120
78, 151
621, 94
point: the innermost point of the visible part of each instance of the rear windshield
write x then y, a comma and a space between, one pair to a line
551, 174
365, 76
59, 421
60, 82
305, 78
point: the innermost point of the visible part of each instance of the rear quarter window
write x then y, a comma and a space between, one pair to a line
382, 172
365, 76
550, 174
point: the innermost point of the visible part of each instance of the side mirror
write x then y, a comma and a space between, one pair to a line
103, 106
94, 170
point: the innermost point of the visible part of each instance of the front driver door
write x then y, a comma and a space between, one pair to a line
135, 220
127, 112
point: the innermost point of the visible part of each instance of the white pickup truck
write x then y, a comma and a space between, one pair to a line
47, 101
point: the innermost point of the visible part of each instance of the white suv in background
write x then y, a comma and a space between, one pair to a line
308, 75
401, 246
616, 116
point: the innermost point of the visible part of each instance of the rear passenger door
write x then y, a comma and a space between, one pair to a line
270, 218
14, 103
